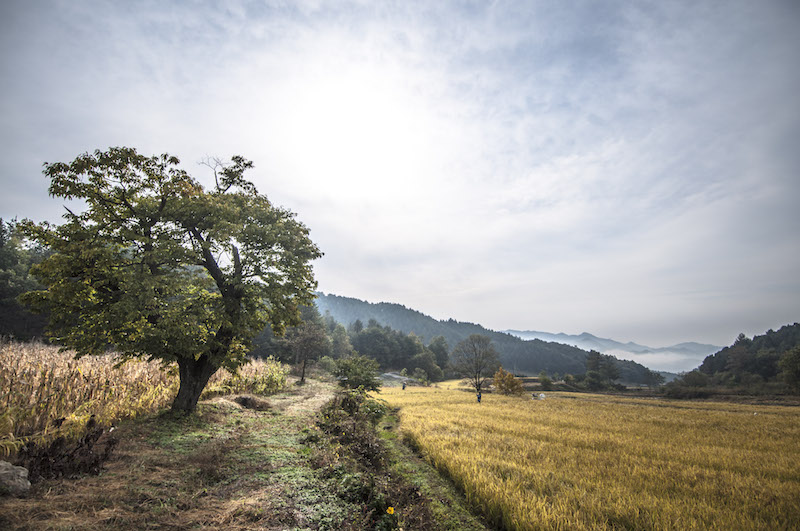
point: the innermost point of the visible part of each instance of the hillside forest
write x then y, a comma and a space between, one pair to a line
765, 364
519, 356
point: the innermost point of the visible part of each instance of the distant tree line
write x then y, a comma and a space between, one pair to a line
765, 364
602, 373
517, 355
391, 349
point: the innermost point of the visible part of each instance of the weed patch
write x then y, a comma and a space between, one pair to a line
353, 455
69, 459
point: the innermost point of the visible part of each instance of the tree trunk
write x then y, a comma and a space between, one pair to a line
303, 374
194, 375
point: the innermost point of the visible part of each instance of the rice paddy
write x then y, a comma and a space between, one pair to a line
581, 461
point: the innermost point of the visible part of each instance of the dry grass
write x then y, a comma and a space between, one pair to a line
45, 393
577, 461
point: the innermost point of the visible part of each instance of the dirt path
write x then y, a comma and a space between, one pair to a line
305, 400
228, 467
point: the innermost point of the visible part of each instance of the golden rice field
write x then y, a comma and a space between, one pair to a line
45, 393
581, 461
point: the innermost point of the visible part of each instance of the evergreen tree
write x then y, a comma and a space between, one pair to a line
438, 346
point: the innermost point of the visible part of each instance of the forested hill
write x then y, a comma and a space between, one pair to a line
759, 356
520, 356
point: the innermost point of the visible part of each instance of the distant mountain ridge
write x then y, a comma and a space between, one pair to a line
516, 354
675, 358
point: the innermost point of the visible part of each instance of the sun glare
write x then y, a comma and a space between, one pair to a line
363, 127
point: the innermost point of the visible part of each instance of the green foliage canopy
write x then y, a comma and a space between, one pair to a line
441, 351
17, 256
358, 372
545, 383
752, 363
393, 349
790, 366
157, 266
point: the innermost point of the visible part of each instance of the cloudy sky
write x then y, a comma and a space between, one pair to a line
630, 169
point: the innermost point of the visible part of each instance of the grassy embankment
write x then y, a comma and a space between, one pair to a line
581, 461
269, 465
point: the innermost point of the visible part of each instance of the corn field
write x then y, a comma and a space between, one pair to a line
579, 461
45, 393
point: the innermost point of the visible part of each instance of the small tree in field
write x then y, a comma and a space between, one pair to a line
161, 268
475, 359
545, 383
307, 342
506, 383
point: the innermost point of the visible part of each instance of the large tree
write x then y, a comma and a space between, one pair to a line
475, 359
159, 267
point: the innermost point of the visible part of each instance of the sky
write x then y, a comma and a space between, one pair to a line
629, 169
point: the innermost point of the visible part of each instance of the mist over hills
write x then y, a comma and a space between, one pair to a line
675, 358
523, 356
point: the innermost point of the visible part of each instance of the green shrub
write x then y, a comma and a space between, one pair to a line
327, 364
421, 376
358, 372
349, 419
